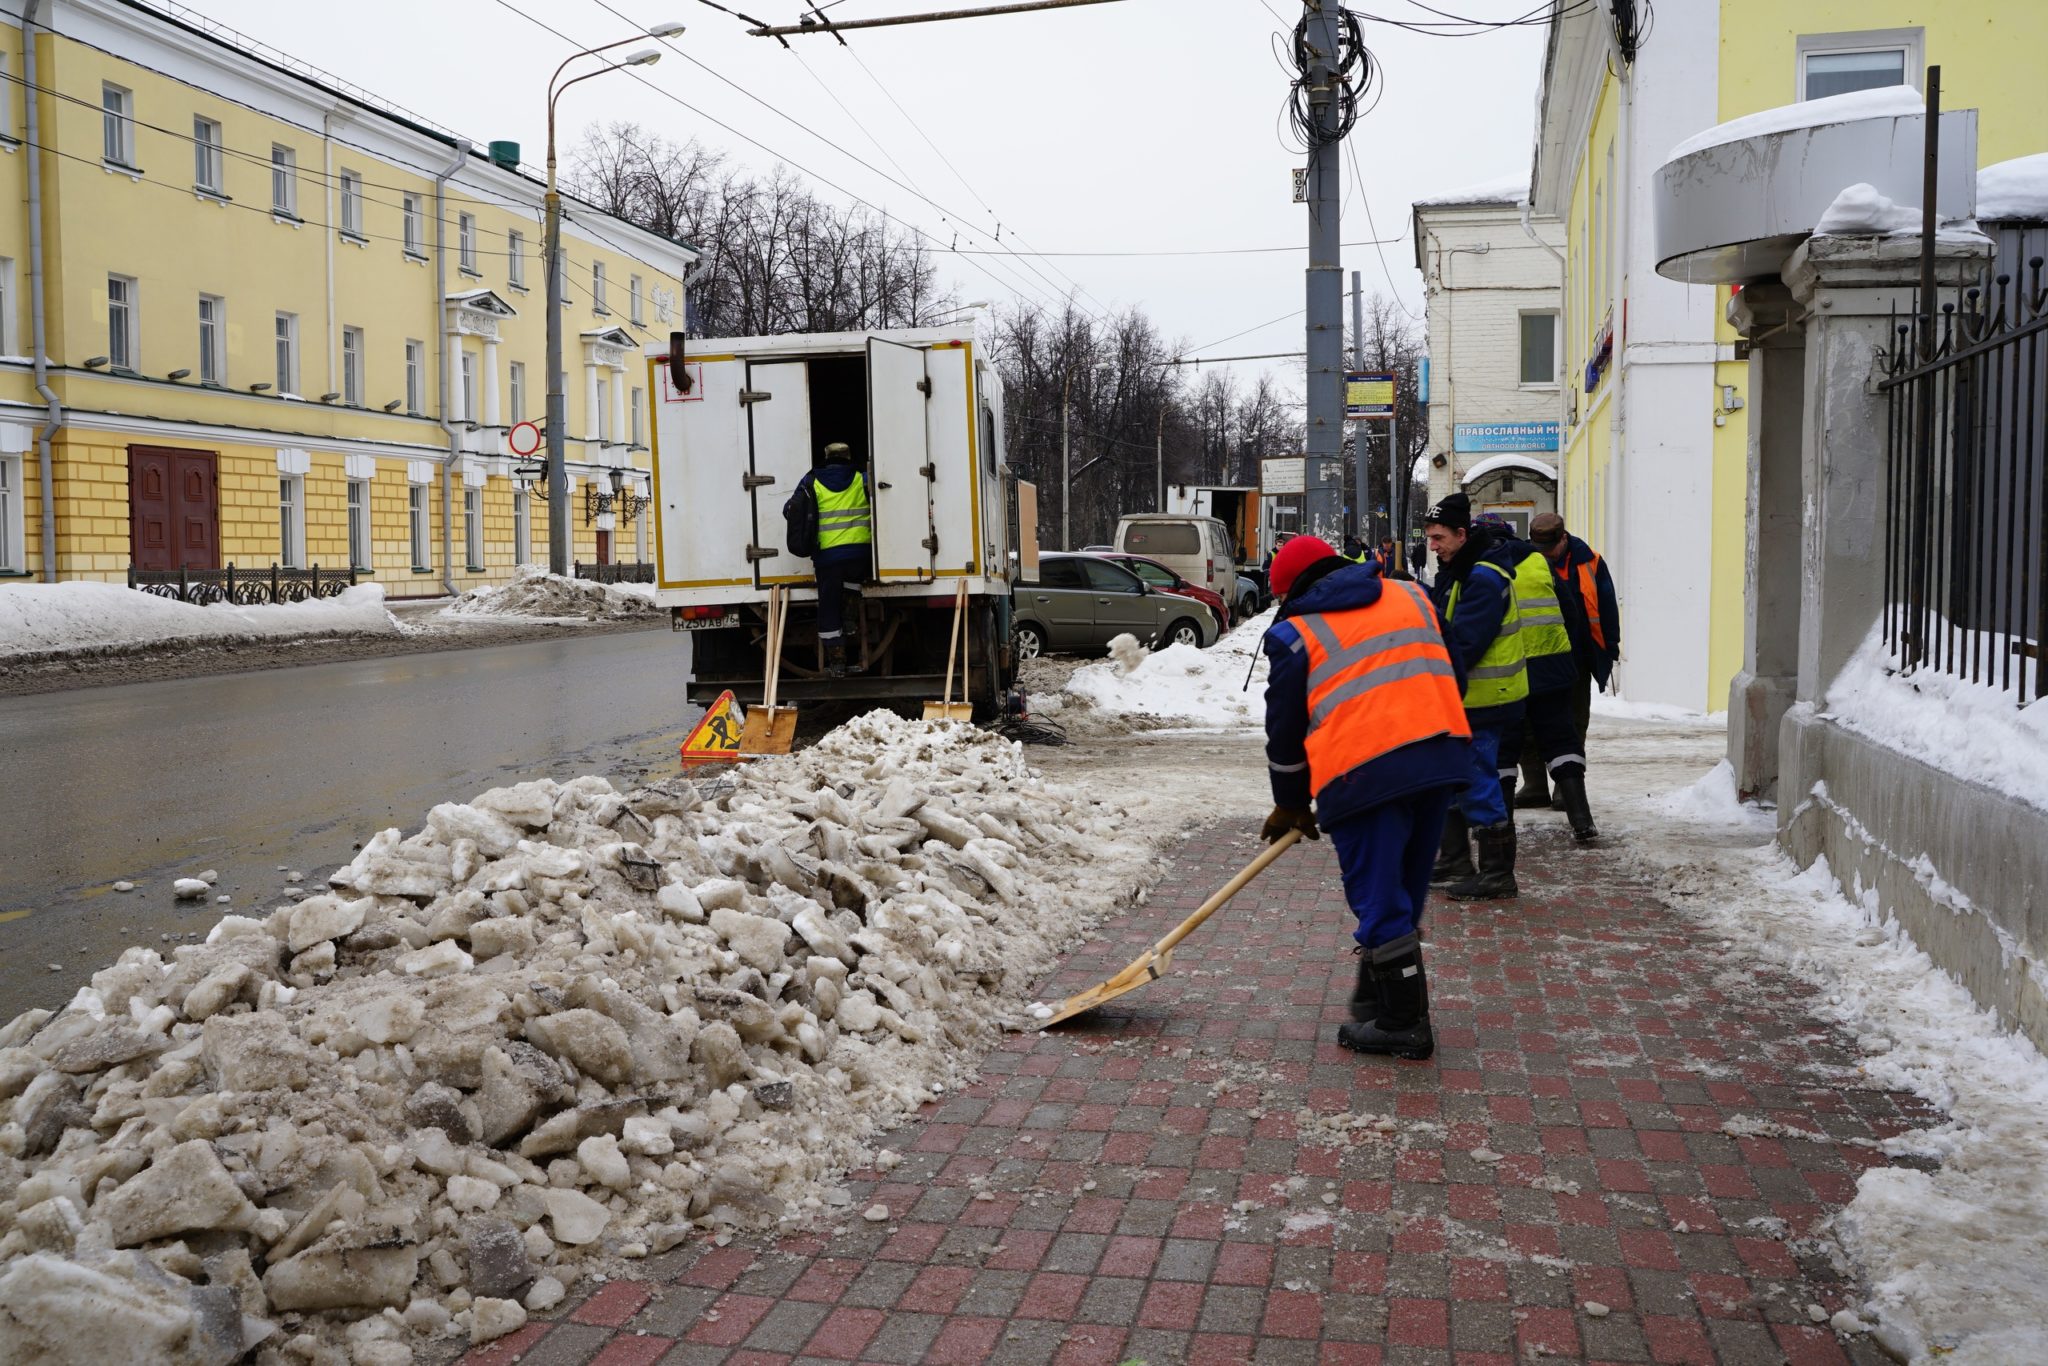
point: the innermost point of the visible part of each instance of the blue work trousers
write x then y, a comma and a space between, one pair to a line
1480, 799
1386, 852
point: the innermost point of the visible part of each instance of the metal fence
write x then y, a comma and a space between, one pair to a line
1966, 509
639, 571
245, 587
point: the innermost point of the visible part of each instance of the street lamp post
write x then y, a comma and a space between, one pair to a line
558, 403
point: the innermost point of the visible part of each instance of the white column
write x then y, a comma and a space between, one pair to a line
590, 401
491, 418
622, 436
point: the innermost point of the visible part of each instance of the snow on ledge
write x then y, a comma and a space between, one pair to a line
1509, 461
1892, 101
2014, 191
1512, 189
38, 618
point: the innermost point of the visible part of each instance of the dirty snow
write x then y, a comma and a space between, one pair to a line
41, 618
1200, 689
1885, 102
555, 597
1624, 709
2014, 191
557, 1026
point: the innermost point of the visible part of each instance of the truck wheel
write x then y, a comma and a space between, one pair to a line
1184, 632
1030, 641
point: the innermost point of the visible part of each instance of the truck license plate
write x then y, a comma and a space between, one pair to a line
709, 623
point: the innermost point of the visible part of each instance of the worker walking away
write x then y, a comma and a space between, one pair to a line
1550, 622
842, 546
1583, 580
1475, 598
1364, 719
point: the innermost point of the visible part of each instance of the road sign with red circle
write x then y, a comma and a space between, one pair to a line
524, 439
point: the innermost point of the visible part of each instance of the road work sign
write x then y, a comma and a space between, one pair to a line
716, 740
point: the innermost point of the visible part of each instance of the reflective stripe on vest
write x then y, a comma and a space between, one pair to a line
1379, 678
1589, 591
1500, 677
1543, 629
844, 518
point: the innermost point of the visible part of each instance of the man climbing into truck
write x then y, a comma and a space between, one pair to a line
841, 536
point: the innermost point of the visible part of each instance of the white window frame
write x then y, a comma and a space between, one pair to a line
117, 125
1910, 42
1521, 348
598, 289
360, 550
515, 384
415, 228
604, 411
286, 351
466, 369
465, 242
124, 331
473, 528
415, 376
213, 339
13, 527
636, 303
284, 181
515, 258
352, 205
208, 169
636, 414
419, 529
291, 520
352, 366
522, 527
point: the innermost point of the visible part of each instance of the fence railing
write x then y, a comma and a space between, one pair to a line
245, 587
638, 571
1966, 507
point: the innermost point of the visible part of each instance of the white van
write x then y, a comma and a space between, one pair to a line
1196, 548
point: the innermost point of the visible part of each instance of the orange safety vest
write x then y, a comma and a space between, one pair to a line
1588, 575
1379, 678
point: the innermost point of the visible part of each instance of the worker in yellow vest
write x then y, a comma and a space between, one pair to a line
1552, 621
845, 554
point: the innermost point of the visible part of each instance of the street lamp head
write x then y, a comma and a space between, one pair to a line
669, 30
646, 56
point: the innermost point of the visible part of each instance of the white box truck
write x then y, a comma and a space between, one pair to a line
740, 420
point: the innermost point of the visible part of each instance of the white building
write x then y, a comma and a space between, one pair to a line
1492, 293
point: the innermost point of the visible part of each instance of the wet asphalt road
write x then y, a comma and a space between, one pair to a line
243, 773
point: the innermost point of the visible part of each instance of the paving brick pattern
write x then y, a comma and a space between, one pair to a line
1620, 1110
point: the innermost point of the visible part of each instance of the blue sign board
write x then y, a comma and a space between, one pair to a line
1485, 437
1422, 380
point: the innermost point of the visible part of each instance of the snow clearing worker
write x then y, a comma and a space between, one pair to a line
1474, 595
1363, 719
845, 538
1552, 623
1583, 581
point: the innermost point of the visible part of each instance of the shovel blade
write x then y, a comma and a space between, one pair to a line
1149, 967
949, 711
769, 730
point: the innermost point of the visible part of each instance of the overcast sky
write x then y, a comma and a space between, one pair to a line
1137, 126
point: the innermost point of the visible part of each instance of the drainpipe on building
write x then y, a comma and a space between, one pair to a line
441, 178
54, 414
1617, 529
1563, 331
334, 217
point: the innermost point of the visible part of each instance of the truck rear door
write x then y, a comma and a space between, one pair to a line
900, 449
704, 507
778, 456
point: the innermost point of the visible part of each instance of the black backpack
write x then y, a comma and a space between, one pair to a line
800, 519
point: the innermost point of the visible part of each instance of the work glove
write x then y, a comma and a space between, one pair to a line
1286, 818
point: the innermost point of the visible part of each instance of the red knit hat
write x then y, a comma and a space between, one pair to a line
1297, 555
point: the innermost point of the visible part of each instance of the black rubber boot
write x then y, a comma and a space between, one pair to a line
1535, 793
1402, 1029
1454, 859
1495, 880
835, 658
1571, 787
1365, 996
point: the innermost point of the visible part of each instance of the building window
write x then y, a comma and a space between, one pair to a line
352, 366
1539, 348
288, 354
213, 339
636, 308
415, 376
1838, 63
637, 408
6, 105
516, 382
117, 123
597, 289
465, 238
123, 334
284, 180
7, 300
473, 528
415, 233
206, 155
640, 535
515, 258
291, 520
10, 514
468, 387
604, 412
352, 204
359, 523
416, 519
522, 527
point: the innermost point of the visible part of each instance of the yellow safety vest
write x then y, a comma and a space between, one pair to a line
1500, 677
844, 518
1543, 630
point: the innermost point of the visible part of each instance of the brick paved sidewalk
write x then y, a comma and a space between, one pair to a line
1199, 1174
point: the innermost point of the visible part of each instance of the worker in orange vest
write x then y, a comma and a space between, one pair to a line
1595, 624
1365, 718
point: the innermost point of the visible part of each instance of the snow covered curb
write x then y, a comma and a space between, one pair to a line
555, 597
558, 1026
39, 620
1199, 689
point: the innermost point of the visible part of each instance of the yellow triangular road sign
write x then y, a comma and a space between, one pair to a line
716, 740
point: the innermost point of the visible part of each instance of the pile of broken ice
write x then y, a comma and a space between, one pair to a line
557, 1027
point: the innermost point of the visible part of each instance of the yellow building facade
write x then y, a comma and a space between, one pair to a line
287, 324
1656, 442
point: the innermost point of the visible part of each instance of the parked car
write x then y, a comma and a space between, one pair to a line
1080, 603
1250, 598
1196, 548
1166, 581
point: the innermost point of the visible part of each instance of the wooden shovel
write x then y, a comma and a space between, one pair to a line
771, 729
948, 709
1153, 962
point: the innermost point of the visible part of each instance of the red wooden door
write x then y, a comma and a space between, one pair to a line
604, 547
173, 509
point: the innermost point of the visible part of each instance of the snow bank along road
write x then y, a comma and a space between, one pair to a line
238, 774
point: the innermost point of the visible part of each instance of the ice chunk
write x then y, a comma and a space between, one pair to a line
436, 960
189, 888
575, 1217
324, 917
759, 941
186, 1189
594, 1043
602, 1159
469, 1195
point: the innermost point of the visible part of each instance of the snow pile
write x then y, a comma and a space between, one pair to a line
557, 597
1976, 731
1862, 210
556, 1026
1891, 101
1199, 688
2014, 191
41, 618
1625, 709
1713, 800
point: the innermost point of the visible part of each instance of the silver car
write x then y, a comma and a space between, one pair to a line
1079, 603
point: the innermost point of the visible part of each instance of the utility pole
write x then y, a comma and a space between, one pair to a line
1066, 471
1325, 279
1397, 483
1361, 477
